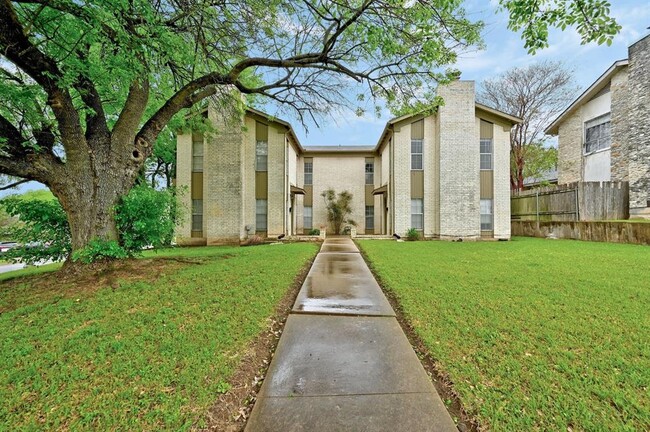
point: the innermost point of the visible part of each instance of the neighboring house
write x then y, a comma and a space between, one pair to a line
445, 174
545, 178
604, 135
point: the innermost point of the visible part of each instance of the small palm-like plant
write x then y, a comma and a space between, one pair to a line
338, 209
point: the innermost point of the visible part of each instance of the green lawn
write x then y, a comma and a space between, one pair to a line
142, 354
536, 335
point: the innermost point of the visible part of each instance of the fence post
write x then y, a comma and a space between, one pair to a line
537, 208
577, 203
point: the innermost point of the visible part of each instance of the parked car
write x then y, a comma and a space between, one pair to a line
6, 245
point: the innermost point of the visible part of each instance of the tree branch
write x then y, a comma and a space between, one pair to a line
14, 184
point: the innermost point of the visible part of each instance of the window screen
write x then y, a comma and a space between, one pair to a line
307, 218
197, 215
197, 155
598, 135
309, 173
370, 173
370, 218
416, 154
486, 215
260, 215
417, 214
486, 153
261, 155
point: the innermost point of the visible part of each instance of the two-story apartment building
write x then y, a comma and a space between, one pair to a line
445, 173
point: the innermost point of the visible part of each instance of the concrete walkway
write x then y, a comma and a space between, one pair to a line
343, 363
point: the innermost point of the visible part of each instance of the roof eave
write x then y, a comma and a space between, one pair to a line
513, 120
284, 123
590, 92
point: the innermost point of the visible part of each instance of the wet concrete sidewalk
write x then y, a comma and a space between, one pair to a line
343, 363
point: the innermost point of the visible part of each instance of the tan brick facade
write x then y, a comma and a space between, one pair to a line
448, 182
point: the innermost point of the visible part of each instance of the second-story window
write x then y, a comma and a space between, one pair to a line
261, 155
309, 173
416, 154
486, 153
370, 173
197, 153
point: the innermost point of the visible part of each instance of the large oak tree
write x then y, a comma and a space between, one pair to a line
87, 86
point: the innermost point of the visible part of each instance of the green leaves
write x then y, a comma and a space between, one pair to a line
591, 19
146, 217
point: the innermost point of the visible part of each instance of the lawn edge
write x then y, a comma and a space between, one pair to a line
439, 378
230, 412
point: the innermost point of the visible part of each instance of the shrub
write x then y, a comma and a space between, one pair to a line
314, 231
42, 229
338, 208
412, 234
98, 250
146, 217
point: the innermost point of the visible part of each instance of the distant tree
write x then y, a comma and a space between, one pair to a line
161, 164
338, 209
540, 160
536, 94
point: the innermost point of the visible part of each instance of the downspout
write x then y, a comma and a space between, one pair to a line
286, 184
391, 143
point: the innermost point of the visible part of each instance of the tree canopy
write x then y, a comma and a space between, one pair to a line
88, 86
537, 94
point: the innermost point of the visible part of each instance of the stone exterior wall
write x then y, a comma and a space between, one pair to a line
277, 196
431, 178
620, 130
501, 172
459, 162
570, 149
401, 198
340, 172
222, 180
248, 176
639, 123
183, 182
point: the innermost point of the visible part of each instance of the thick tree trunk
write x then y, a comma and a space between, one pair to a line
92, 187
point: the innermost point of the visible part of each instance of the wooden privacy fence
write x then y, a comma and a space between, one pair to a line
579, 201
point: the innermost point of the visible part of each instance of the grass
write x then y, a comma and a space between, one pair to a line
638, 220
536, 335
151, 351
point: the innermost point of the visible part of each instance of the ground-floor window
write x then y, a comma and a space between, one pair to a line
197, 215
260, 215
370, 218
486, 215
307, 218
417, 213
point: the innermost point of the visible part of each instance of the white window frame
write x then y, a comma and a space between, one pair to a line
487, 214
259, 226
418, 225
261, 155
197, 215
602, 127
370, 174
197, 155
486, 155
370, 218
308, 217
421, 154
309, 174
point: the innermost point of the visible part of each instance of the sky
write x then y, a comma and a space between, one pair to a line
504, 49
